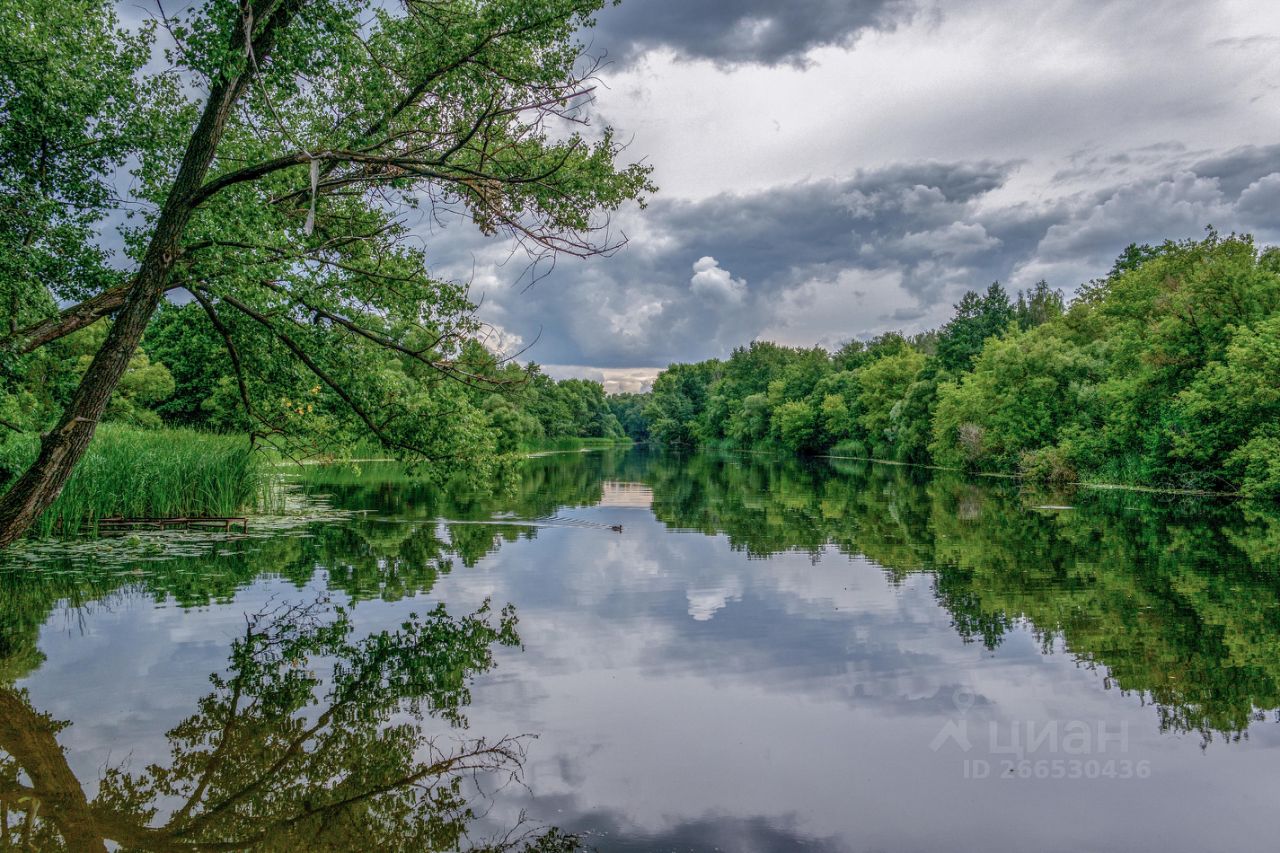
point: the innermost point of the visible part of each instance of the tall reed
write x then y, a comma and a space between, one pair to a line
159, 473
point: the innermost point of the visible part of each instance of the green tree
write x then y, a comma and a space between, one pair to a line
72, 106
1163, 319
914, 415
797, 425
629, 410
1039, 305
145, 382
1228, 418
1024, 388
748, 371
883, 383
182, 338
679, 398
977, 318
838, 396
277, 199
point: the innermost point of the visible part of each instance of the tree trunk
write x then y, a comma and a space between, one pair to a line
29, 738
62, 448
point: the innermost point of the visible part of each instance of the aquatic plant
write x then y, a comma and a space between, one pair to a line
139, 473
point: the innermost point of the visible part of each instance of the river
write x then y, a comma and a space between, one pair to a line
694, 653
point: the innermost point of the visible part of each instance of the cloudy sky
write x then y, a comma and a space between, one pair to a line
831, 169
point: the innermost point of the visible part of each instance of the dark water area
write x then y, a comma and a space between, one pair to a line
768, 655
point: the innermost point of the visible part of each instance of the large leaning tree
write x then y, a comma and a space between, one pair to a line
278, 160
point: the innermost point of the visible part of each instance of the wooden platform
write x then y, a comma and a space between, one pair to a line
176, 521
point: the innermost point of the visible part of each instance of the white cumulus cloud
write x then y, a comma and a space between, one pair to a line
711, 281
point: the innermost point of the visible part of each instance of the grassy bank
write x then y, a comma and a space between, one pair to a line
139, 473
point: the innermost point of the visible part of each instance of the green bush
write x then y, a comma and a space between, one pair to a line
1048, 465
1256, 466
797, 425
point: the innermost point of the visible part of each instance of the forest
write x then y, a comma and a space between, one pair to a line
268, 281
177, 439
1163, 373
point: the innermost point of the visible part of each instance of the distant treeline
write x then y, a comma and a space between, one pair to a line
1164, 373
182, 376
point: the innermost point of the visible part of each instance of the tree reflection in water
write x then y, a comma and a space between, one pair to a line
310, 741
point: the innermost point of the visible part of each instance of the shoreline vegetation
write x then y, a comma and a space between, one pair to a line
311, 326
1072, 484
163, 473
1164, 375
176, 440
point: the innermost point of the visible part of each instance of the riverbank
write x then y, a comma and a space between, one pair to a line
1076, 484
166, 473
543, 445
852, 451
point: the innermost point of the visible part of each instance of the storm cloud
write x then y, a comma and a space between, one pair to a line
740, 31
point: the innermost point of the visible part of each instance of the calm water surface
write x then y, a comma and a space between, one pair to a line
769, 655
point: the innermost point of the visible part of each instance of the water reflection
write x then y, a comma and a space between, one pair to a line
1177, 600
310, 740
765, 652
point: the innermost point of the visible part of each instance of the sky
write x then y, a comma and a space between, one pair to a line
833, 169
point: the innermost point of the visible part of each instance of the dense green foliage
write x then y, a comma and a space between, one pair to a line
1164, 373
508, 408
628, 408
176, 441
134, 473
71, 110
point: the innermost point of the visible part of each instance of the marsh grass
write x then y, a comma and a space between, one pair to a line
160, 473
